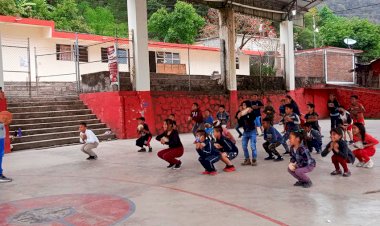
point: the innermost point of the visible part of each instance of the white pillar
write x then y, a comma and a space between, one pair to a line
286, 39
1, 66
227, 38
137, 23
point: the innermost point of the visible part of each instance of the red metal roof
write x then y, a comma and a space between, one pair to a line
99, 38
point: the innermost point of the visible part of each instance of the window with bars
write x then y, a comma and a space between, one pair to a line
64, 52
122, 55
168, 58
67, 53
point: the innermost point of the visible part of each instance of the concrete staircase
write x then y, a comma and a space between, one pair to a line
48, 122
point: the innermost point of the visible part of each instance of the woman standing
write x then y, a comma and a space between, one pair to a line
170, 137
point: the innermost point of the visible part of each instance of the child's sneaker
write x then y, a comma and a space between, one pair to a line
170, 165
307, 184
150, 149
269, 157
347, 174
142, 150
298, 183
360, 164
336, 172
254, 162
229, 169
246, 162
279, 158
177, 166
213, 173
4, 179
368, 164
205, 173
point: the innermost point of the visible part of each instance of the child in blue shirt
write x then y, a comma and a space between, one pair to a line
208, 154
222, 115
208, 121
273, 139
3, 179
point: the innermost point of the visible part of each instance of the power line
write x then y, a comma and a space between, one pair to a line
359, 7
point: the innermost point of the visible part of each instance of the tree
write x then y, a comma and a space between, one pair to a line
100, 20
249, 27
180, 26
66, 16
334, 29
8, 7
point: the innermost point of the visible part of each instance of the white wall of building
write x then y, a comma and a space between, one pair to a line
202, 62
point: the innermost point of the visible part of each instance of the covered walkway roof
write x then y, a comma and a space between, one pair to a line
276, 10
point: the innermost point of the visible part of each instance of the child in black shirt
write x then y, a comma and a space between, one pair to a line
145, 135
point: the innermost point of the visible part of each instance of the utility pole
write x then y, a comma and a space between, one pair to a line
315, 29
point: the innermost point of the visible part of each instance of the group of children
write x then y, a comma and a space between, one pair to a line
214, 142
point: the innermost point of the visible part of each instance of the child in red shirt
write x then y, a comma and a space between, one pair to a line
356, 110
364, 144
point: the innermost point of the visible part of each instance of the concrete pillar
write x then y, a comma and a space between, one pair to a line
137, 23
1, 65
286, 39
227, 56
227, 38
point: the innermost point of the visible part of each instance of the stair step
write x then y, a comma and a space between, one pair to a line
52, 124
32, 115
48, 103
56, 135
55, 142
53, 119
42, 99
78, 106
28, 132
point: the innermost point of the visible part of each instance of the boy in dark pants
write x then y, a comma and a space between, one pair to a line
197, 117
333, 106
313, 138
227, 148
208, 155
273, 139
145, 135
292, 122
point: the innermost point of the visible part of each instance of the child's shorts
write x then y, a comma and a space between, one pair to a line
232, 155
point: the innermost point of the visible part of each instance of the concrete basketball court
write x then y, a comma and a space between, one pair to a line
58, 186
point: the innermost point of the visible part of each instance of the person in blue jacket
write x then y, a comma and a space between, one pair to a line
273, 139
208, 154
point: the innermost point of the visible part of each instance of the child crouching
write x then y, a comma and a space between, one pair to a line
301, 161
341, 153
273, 139
227, 148
208, 155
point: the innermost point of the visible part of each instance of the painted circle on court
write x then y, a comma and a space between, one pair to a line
74, 209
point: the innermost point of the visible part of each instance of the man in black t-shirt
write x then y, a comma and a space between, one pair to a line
256, 106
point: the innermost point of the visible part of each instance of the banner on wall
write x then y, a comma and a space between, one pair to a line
112, 64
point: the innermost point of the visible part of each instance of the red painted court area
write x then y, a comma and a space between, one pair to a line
81, 209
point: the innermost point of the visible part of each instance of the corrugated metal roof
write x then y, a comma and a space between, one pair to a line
276, 10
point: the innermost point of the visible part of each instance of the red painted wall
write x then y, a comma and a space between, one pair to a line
119, 110
7, 147
368, 97
107, 106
